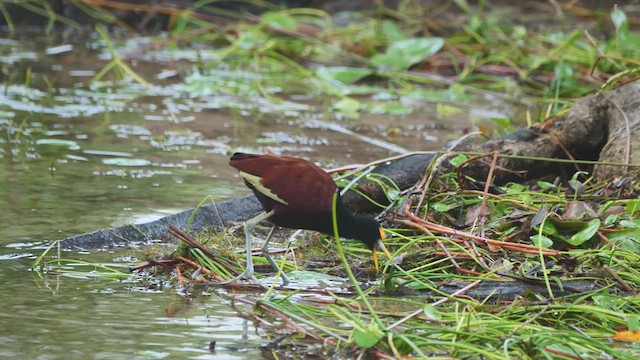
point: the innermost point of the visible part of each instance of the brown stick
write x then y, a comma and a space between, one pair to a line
424, 225
195, 244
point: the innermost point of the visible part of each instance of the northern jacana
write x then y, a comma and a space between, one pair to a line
297, 194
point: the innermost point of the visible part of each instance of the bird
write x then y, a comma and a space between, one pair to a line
295, 193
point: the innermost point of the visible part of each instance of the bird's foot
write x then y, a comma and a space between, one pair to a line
247, 275
285, 279
251, 278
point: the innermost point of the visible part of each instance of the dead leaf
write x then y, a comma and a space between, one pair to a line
578, 210
632, 336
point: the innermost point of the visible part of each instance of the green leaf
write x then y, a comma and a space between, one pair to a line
611, 219
549, 229
502, 121
248, 41
441, 207
392, 108
401, 345
347, 105
629, 237
279, 20
632, 206
629, 224
444, 110
578, 174
629, 243
545, 185
343, 74
542, 241
366, 339
393, 194
458, 160
400, 55
620, 21
585, 234
432, 313
633, 322
58, 143
391, 30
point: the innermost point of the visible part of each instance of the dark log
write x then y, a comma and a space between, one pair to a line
207, 217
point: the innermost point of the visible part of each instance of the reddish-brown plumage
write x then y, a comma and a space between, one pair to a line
306, 188
302, 184
295, 193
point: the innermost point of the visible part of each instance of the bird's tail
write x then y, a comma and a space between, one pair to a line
239, 156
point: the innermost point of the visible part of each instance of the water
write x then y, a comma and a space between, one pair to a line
79, 156
63, 317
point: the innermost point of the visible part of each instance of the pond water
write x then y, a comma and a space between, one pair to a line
77, 156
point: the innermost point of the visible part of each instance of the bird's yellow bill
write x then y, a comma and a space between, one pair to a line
384, 249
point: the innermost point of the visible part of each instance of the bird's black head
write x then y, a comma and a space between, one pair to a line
365, 229
362, 228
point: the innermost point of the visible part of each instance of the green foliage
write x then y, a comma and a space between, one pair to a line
343, 74
400, 55
489, 52
585, 234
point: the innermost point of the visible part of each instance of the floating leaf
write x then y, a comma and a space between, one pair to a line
347, 105
126, 162
58, 143
400, 55
343, 74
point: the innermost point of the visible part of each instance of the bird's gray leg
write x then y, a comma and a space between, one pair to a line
248, 273
267, 255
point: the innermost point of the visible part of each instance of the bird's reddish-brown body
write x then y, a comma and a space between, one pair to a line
305, 189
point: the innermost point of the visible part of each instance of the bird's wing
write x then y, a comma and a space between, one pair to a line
256, 183
291, 181
301, 184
